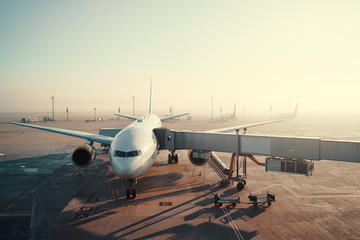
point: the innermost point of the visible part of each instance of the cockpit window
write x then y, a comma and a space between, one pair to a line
127, 154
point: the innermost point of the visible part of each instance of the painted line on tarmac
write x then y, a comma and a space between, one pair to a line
231, 221
127, 204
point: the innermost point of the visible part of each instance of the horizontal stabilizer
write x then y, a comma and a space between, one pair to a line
126, 116
175, 116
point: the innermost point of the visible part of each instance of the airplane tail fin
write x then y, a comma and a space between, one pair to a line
150, 106
295, 111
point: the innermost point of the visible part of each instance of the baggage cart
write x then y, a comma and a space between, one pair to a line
261, 199
219, 201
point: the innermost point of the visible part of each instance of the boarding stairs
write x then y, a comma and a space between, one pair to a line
218, 166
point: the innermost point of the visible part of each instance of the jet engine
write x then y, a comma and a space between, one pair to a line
197, 157
84, 155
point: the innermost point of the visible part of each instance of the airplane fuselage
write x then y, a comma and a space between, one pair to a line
133, 150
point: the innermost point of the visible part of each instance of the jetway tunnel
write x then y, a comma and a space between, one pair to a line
283, 154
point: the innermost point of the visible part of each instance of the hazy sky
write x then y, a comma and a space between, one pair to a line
255, 53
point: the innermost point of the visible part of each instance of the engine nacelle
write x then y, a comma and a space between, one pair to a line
84, 155
198, 158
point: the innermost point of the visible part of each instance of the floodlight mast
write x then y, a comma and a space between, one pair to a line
53, 100
133, 98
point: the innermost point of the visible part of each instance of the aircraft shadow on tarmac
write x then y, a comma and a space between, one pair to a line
98, 175
207, 230
169, 213
158, 181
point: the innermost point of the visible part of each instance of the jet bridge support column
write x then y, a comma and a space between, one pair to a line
237, 153
240, 178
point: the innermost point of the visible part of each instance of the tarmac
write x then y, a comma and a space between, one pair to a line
44, 196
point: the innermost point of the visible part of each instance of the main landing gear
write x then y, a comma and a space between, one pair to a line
173, 157
131, 188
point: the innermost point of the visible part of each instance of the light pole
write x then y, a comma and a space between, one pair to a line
95, 113
133, 98
53, 102
67, 114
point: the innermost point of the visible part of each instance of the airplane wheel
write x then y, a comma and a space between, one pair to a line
169, 158
134, 193
128, 194
244, 182
220, 204
176, 158
269, 203
240, 186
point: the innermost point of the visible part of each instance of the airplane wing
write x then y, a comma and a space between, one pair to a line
228, 129
175, 116
126, 116
72, 133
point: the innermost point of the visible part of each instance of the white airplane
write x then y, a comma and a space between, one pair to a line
132, 150
229, 116
288, 115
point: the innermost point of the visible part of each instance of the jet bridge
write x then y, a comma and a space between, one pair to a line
284, 154
275, 146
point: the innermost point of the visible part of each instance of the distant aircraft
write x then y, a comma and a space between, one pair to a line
288, 115
229, 116
132, 149
172, 114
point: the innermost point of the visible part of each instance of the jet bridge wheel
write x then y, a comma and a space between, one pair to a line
128, 194
240, 186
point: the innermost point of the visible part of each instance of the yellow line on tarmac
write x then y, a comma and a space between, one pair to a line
127, 204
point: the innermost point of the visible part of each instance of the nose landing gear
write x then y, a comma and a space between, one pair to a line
173, 157
131, 188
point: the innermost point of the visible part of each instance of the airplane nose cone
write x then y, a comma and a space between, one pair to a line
125, 167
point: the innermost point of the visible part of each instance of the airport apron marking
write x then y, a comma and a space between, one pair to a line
236, 230
127, 204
